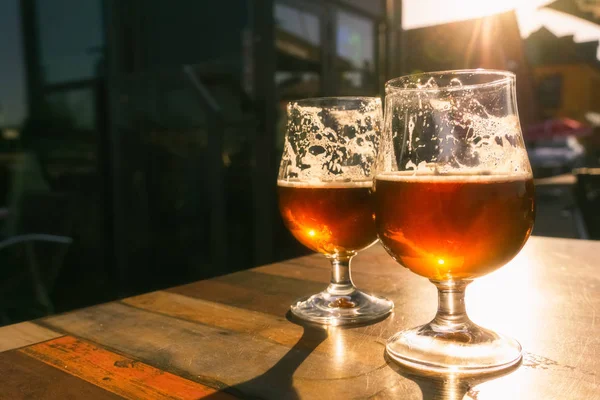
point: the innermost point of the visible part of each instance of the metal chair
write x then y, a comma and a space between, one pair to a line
33, 258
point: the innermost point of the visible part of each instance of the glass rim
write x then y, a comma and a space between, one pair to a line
503, 77
315, 101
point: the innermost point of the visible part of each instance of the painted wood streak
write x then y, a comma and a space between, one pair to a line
124, 376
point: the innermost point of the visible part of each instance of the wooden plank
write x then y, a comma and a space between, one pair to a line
297, 270
124, 376
247, 363
24, 334
272, 294
252, 291
273, 285
23, 377
522, 383
378, 284
276, 329
231, 332
272, 288
236, 296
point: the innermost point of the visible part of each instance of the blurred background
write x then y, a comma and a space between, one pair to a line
140, 139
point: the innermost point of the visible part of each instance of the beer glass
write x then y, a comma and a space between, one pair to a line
325, 198
454, 200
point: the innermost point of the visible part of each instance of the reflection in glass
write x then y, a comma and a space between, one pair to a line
72, 48
325, 181
455, 386
298, 23
454, 200
356, 54
299, 66
298, 43
77, 107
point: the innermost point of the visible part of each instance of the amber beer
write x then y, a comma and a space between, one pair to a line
330, 218
453, 227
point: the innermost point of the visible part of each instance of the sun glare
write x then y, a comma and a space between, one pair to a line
420, 13
530, 16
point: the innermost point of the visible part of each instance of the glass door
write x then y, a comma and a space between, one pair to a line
300, 35
65, 135
355, 62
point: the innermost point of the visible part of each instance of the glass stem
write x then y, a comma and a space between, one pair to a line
341, 281
451, 313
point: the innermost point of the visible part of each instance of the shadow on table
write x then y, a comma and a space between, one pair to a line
277, 382
280, 374
438, 386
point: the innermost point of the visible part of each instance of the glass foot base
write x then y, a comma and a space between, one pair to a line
353, 308
466, 348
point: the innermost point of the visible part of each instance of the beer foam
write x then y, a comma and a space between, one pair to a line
324, 143
456, 177
324, 184
454, 128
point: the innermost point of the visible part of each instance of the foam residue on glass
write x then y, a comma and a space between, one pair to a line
451, 123
325, 143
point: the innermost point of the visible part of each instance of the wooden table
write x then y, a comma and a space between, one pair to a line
228, 337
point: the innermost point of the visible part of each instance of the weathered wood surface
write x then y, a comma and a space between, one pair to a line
24, 334
230, 337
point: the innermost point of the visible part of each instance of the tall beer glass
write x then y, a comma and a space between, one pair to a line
454, 200
325, 198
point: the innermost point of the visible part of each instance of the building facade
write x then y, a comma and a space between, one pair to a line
168, 120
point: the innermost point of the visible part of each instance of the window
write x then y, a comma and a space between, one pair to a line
71, 48
355, 54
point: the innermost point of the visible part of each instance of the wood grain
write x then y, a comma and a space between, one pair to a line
24, 377
252, 291
381, 284
124, 376
24, 334
243, 361
231, 334
276, 329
